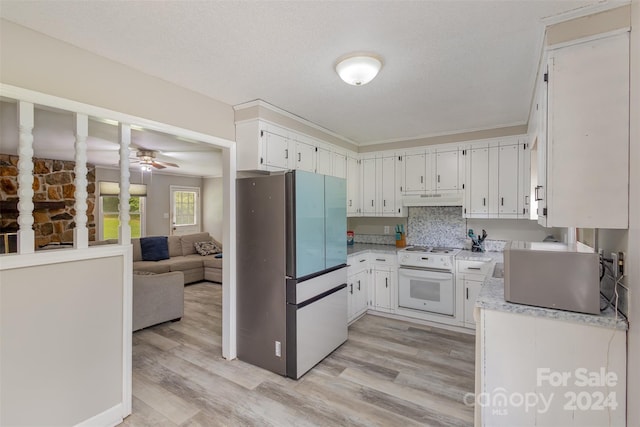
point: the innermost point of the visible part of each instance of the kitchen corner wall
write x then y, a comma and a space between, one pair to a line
212, 207
445, 226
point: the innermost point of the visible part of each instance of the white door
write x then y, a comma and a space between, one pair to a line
185, 210
415, 173
360, 290
479, 180
323, 161
339, 165
524, 179
382, 280
351, 296
276, 150
353, 187
446, 171
305, 156
388, 185
508, 181
369, 186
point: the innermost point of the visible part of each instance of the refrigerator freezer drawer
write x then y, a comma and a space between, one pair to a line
299, 292
321, 327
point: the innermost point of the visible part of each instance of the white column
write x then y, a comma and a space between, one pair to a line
81, 233
229, 350
26, 236
124, 134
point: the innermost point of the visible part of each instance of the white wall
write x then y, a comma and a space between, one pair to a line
212, 207
61, 327
158, 196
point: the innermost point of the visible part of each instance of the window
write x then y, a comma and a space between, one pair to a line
110, 220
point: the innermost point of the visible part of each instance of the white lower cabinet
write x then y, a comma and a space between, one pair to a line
382, 284
470, 275
357, 285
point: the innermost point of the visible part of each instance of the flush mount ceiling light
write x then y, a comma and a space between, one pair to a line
358, 70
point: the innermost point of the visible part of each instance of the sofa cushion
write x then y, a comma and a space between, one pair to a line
175, 246
189, 239
207, 248
152, 266
211, 261
181, 263
154, 248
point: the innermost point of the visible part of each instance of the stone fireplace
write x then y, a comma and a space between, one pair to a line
54, 201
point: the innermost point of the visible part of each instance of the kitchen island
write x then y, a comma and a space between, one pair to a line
538, 366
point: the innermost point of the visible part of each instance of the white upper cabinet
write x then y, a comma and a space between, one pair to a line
388, 186
305, 157
587, 151
478, 182
339, 162
446, 171
323, 161
354, 199
508, 181
276, 150
416, 176
369, 198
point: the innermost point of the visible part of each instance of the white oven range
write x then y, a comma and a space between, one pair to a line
426, 279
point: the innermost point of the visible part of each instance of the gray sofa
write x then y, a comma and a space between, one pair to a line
157, 298
184, 258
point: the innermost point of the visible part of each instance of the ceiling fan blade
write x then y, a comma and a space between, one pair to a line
157, 165
173, 165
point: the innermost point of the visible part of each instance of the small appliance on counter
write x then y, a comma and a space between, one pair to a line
350, 237
552, 275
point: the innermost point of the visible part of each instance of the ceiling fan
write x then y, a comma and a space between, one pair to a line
147, 160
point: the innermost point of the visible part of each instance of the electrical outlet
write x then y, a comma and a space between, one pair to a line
622, 257
278, 349
386, 229
614, 265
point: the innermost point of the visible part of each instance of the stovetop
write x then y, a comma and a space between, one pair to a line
432, 250
428, 257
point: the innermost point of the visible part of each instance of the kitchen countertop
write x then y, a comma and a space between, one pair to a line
358, 248
492, 297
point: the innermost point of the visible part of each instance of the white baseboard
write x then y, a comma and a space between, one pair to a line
109, 418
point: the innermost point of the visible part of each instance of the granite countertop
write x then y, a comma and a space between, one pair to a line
358, 248
492, 297
468, 255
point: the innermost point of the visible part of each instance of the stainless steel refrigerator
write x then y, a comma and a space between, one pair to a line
291, 269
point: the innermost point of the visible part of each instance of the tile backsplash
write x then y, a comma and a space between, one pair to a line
441, 226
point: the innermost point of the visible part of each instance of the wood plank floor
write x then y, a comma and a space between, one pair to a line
389, 373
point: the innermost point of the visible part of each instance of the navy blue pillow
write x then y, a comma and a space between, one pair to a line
154, 248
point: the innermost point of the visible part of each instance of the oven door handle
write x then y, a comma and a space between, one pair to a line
420, 273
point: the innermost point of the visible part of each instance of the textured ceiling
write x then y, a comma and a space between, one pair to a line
449, 66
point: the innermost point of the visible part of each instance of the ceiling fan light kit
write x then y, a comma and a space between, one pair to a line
358, 70
147, 160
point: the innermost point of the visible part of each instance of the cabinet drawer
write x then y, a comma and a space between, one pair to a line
384, 260
480, 267
355, 263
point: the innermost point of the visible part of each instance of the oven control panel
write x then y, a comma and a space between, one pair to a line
426, 260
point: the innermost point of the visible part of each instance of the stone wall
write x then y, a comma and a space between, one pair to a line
53, 186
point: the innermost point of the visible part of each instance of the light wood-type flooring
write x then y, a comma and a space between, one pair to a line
389, 373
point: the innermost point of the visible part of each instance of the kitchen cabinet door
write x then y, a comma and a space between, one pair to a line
305, 157
360, 286
276, 150
351, 296
471, 291
388, 185
508, 181
415, 173
524, 179
382, 289
446, 171
339, 165
323, 161
369, 186
478, 181
353, 187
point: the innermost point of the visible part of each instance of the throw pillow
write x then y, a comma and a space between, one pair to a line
154, 248
206, 248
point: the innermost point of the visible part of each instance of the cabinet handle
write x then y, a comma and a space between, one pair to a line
362, 260
372, 203
526, 200
467, 293
473, 268
351, 285
350, 203
422, 180
286, 153
381, 259
299, 157
538, 198
501, 201
484, 201
384, 203
358, 284
386, 282
438, 178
